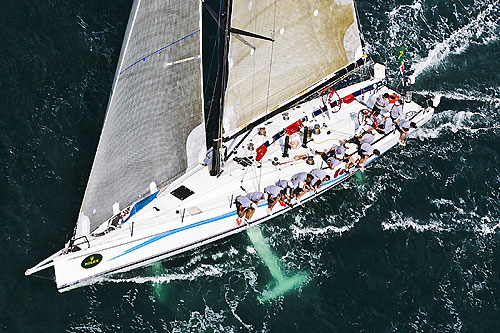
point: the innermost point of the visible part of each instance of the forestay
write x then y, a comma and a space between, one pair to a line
154, 126
313, 39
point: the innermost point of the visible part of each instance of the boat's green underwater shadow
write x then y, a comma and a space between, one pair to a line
361, 181
280, 284
159, 288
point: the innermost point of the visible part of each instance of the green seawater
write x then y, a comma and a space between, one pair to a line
412, 246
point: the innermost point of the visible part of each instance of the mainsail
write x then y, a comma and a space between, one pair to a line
312, 40
154, 126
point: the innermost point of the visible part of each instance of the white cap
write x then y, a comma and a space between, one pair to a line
253, 205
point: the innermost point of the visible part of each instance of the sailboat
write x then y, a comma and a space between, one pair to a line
292, 79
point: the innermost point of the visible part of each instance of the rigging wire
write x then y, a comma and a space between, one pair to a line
269, 78
43, 277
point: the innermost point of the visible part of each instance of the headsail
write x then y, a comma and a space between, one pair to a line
154, 126
313, 39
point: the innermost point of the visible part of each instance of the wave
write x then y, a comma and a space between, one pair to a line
299, 232
455, 122
417, 6
486, 229
481, 30
401, 222
474, 96
200, 271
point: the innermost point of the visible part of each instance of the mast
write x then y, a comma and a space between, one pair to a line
221, 83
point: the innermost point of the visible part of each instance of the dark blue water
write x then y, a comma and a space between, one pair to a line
414, 246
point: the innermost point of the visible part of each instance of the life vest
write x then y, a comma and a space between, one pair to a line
393, 98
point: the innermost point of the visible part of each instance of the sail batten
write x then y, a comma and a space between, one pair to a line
312, 40
154, 127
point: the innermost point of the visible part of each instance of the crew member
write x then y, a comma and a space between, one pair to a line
298, 189
256, 197
244, 208
340, 150
320, 177
367, 137
330, 158
365, 152
274, 194
386, 126
404, 128
380, 104
396, 111
304, 177
287, 187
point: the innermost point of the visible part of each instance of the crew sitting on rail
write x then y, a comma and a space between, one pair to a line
299, 189
244, 208
256, 197
287, 187
304, 177
274, 194
335, 155
385, 126
380, 104
320, 177
403, 127
396, 111
365, 152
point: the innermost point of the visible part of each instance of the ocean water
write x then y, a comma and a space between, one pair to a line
413, 246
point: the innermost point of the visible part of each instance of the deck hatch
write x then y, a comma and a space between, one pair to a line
182, 192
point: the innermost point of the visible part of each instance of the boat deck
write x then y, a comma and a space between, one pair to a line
169, 225
215, 195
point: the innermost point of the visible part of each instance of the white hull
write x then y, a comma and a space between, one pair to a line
209, 214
